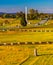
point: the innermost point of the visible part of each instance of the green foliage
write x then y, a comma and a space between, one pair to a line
33, 14
23, 21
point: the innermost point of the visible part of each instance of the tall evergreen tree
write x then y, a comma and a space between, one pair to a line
23, 20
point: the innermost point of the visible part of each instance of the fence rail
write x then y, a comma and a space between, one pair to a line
25, 43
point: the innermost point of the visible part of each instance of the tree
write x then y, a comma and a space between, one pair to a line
23, 20
6, 22
33, 14
19, 14
32, 11
6, 15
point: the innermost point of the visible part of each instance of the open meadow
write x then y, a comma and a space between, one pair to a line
24, 55
26, 32
12, 23
10, 36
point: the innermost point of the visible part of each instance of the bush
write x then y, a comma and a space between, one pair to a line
23, 21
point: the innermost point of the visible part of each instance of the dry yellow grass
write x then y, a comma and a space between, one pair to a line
26, 36
12, 55
50, 22
45, 55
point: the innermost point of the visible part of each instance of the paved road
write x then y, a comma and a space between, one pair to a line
41, 22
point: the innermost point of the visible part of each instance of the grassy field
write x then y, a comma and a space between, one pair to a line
13, 55
45, 55
24, 54
25, 36
15, 22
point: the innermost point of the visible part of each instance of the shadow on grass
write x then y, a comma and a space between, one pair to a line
44, 54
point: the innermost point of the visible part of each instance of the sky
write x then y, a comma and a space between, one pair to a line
11, 6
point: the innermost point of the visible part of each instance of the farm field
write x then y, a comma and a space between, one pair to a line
11, 36
7, 23
45, 55
24, 54
13, 55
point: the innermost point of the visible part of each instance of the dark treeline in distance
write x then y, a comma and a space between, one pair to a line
32, 15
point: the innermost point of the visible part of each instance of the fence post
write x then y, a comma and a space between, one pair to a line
35, 52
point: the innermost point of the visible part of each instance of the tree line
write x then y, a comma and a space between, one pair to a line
32, 15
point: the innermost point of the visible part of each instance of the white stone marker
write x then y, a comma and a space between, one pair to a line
11, 43
35, 52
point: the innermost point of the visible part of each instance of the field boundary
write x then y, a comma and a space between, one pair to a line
30, 30
25, 43
24, 60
